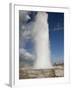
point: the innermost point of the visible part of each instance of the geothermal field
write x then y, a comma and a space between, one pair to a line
36, 63
57, 71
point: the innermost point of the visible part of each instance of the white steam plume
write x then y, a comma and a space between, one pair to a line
42, 43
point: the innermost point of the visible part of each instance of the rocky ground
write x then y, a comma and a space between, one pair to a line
57, 71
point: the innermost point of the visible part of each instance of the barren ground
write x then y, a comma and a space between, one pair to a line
57, 71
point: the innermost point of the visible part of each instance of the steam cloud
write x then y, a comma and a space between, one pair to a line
38, 31
42, 43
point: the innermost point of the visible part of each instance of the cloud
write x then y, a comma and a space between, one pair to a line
25, 34
24, 55
24, 16
25, 30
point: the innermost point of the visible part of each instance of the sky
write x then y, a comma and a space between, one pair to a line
56, 33
56, 27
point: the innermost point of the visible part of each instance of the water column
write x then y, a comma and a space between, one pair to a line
42, 43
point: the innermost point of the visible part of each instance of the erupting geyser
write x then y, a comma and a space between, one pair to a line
42, 43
